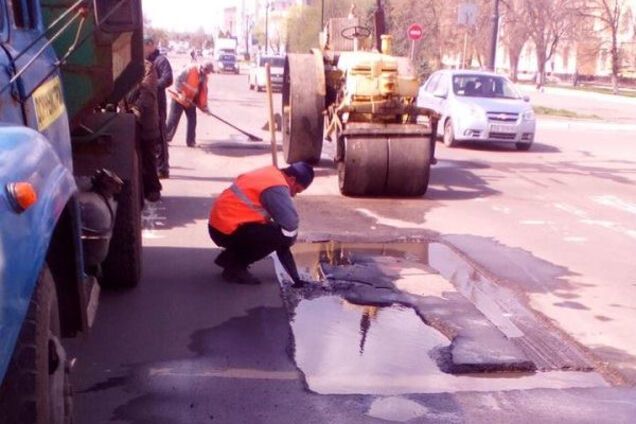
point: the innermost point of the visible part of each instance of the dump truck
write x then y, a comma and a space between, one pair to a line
70, 196
362, 98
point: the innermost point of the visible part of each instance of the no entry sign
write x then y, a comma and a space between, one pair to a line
415, 32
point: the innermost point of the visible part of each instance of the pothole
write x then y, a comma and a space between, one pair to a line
398, 318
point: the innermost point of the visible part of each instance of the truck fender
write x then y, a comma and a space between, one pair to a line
26, 156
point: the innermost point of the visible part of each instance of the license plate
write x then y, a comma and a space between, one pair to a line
49, 103
503, 128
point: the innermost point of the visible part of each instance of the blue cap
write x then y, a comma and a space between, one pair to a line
302, 171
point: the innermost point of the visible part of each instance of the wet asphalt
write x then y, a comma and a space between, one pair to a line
186, 347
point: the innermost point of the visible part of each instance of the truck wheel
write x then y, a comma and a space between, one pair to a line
449, 135
303, 104
122, 267
36, 388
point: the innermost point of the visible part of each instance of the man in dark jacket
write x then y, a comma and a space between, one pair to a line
255, 216
164, 80
142, 102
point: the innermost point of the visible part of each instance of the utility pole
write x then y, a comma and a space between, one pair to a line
322, 14
266, 28
493, 40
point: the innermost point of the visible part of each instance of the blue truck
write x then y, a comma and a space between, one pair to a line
70, 196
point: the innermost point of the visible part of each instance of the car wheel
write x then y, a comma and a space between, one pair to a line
523, 146
449, 136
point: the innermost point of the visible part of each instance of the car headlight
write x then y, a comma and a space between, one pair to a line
528, 115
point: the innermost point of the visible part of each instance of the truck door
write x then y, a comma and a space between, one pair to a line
10, 109
39, 86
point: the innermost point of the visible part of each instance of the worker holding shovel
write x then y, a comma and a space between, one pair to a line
190, 92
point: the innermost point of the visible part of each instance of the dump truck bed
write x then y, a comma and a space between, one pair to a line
107, 60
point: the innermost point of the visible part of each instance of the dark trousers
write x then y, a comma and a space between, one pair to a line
149, 176
163, 165
249, 243
176, 109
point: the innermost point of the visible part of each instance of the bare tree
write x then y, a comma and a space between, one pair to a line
515, 34
441, 32
547, 21
609, 14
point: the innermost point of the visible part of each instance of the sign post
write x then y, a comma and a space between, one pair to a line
414, 32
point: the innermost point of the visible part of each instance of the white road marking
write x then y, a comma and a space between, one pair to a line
502, 209
390, 222
571, 209
575, 239
533, 222
616, 203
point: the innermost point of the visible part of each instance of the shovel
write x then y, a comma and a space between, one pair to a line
251, 137
184, 102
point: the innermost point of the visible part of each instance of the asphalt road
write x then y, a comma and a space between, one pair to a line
536, 245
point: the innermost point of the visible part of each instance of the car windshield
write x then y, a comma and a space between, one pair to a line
227, 57
274, 62
483, 86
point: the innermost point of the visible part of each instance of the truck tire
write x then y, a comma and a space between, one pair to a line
303, 105
36, 388
122, 267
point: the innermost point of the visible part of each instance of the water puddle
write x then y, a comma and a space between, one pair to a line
394, 318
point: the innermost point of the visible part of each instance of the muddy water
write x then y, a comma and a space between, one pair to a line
348, 343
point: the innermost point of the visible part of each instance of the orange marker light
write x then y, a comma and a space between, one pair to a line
22, 195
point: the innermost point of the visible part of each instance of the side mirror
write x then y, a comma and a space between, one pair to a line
117, 17
526, 98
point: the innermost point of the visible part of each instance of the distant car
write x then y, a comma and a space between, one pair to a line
478, 106
226, 62
257, 79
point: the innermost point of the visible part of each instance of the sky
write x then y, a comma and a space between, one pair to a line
186, 15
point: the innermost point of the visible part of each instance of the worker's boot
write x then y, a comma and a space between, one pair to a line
239, 276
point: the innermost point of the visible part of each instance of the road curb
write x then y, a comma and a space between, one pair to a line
556, 124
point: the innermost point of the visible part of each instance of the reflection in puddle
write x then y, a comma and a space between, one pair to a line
350, 347
358, 348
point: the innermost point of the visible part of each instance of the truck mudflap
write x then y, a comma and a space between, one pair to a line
26, 156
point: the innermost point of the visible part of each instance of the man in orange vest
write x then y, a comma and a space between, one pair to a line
255, 216
190, 93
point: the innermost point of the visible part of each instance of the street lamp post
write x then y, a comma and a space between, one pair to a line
493, 40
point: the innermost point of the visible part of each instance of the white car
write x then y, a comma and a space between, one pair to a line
257, 79
478, 106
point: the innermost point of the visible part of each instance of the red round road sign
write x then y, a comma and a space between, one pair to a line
415, 32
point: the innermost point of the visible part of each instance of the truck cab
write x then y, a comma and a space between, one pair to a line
69, 186
226, 62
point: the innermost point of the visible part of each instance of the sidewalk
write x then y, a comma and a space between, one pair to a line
608, 107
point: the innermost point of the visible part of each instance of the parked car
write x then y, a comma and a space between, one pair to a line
478, 106
226, 62
257, 80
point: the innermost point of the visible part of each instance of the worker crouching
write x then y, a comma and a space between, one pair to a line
256, 216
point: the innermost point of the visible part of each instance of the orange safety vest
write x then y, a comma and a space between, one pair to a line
241, 202
193, 90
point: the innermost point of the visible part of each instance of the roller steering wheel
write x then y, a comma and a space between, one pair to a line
355, 32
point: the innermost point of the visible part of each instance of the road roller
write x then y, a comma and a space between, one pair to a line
363, 99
